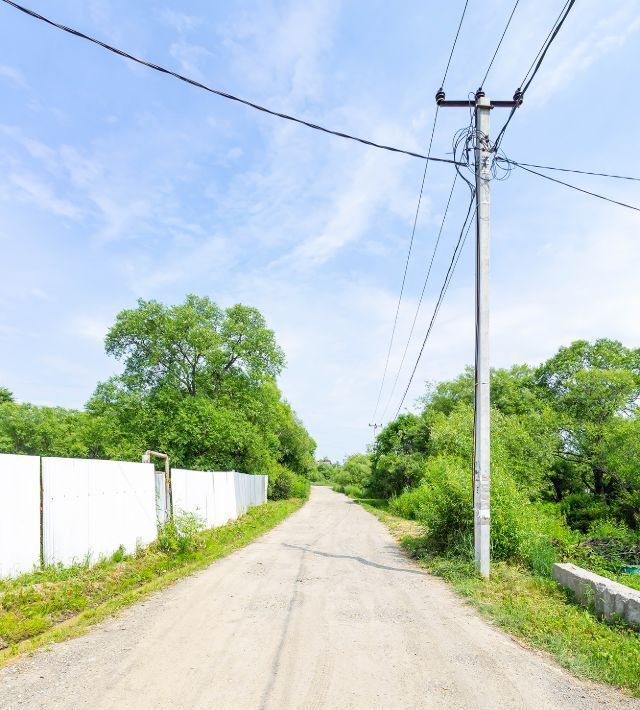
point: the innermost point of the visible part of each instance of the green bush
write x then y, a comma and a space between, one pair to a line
284, 484
353, 491
408, 504
532, 533
301, 487
447, 508
583, 509
179, 535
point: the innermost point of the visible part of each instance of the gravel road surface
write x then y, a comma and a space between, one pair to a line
324, 611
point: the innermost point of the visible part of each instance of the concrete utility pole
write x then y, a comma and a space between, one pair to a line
482, 418
481, 433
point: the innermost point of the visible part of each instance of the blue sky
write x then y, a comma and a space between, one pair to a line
119, 183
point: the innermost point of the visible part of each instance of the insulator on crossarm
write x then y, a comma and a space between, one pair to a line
440, 96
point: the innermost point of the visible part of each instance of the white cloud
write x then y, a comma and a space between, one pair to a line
13, 75
180, 21
32, 189
90, 328
189, 56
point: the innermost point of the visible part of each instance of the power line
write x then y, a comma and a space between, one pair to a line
447, 280
536, 64
406, 267
566, 170
415, 222
546, 44
504, 32
455, 40
218, 92
579, 189
424, 286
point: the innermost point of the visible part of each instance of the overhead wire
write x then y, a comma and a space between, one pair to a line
466, 226
415, 221
455, 41
504, 32
424, 287
406, 268
579, 189
566, 170
218, 92
536, 64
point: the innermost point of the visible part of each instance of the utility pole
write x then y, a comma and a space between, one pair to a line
481, 398
375, 428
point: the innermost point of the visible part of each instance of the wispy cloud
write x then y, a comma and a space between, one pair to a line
179, 21
15, 76
31, 189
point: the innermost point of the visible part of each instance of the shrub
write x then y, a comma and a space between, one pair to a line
119, 554
583, 509
408, 504
301, 487
353, 491
532, 533
179, 535
283, 484
447, 508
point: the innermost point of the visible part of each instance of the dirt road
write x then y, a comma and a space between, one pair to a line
322, 612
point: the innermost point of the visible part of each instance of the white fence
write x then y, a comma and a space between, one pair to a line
216, 496
92, 507
19, 513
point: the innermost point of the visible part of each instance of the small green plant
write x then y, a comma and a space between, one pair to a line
119, 554
179, 535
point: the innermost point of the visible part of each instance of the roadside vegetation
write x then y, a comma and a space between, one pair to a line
60, 602
198, 382
565, 487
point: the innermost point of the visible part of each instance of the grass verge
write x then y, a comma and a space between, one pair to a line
533, 608
58, 603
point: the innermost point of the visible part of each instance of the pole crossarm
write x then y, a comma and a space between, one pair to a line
515, 102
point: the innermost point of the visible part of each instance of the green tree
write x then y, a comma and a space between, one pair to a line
593, 386
194, 346
6, 395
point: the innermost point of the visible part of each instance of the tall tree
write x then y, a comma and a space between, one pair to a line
193, 346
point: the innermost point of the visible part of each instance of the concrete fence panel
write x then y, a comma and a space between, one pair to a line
193, 493
216, 496
92, 507
19, 514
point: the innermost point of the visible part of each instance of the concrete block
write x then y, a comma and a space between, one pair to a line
609, 598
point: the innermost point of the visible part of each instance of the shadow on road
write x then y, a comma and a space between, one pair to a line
361, 560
